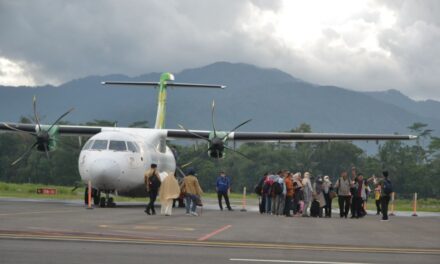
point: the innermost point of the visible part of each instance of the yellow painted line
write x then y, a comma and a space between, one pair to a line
39, 212
426, 251
148, 227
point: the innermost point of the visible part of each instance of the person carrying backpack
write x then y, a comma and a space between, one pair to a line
152, 184
278, 194
387, 190
260, 192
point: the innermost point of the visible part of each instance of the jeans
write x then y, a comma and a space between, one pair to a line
225, 195
384, 201
344, 205
268, 203
190, 202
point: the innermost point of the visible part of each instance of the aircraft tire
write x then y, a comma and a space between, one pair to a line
110, 202
96, 196
102, 202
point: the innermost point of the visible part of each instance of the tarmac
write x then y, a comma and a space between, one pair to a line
43, 231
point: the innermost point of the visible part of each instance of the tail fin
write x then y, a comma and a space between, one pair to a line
165, 81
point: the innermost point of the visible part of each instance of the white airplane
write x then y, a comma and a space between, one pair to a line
114, 159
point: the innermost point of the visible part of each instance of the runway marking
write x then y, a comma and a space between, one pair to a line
39, 212
215, 232
294, 261
147, 227
216, 244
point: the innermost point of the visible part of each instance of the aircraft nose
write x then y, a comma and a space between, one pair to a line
105, 172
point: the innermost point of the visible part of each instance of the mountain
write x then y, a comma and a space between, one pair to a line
275, 100
426, 108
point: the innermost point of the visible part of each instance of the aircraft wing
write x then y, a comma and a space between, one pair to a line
62, 129
287, 137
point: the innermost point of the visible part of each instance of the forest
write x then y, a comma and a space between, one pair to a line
414, 166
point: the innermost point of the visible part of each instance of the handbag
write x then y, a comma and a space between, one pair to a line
332, 194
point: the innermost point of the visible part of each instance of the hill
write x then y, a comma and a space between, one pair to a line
274, 99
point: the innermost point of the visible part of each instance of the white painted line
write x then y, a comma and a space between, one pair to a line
293, 261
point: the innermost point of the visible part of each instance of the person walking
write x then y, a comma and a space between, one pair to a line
343, 190
191, 187
327, 189
387, 190
152, 184
223, 186
169, 190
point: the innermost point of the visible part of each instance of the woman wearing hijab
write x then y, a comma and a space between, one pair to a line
308, 192
169, 190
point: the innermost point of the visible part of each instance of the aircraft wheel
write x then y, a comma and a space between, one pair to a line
102, 202
96, 196
110, 202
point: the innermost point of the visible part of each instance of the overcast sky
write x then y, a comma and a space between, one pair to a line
360, 45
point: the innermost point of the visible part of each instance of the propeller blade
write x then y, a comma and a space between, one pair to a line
37, 120
59, 118
46, 150
24, 154
235, 128
18, 130
238, 152
212, 118
192, 133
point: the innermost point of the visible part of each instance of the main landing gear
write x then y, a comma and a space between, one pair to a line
106, 201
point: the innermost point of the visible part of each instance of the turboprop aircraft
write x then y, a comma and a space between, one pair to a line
114, 159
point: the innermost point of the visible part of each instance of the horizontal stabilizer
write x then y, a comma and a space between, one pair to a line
169, 84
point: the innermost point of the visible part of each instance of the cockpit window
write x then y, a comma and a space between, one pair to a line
100, 144
88, 145
132, 146
117, 145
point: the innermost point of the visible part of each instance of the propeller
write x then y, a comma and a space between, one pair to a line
45, 138
217, 139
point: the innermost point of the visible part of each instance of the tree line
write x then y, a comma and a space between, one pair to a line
413, 166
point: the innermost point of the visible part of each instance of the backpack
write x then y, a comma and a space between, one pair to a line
267, 186
314, 209
259, 187
154, 182
277, 188
387, 187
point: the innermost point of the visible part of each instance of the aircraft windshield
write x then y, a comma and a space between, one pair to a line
132, 146
88, 145
100, 144
117, 145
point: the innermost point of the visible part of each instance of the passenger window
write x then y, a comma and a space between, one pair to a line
88, 145
132, 146
100, 144
117, 145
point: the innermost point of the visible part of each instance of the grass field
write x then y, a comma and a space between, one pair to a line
65, 193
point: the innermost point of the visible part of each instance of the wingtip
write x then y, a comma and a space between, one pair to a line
103, 83
412, 137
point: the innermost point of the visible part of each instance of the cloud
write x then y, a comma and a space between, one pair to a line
372, 45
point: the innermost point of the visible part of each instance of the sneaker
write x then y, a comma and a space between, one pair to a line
385, 220
194, 214
187, 214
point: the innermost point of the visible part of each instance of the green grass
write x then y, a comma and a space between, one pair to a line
26, 190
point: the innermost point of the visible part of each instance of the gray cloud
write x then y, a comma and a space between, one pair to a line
55, 41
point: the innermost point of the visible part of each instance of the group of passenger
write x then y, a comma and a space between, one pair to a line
284, 193
293, 194
169, 190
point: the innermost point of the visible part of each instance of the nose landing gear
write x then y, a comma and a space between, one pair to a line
106, 201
